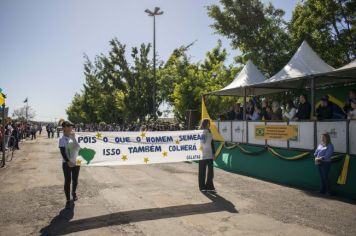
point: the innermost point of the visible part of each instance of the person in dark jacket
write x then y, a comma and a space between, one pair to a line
238, 112
325, 110
266, 110
304, 109
231, 114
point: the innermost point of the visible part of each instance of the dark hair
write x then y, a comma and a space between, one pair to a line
290, 103
327, 137
305, 96
204, 124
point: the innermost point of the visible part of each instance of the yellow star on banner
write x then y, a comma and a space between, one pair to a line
124, 157
165, 154
146, 160
177, 141
143, 134
78, 162
98, 135
201, 148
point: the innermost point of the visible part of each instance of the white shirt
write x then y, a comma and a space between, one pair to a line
291, 114
207, 150
71, 146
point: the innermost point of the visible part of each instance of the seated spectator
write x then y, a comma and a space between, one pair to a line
352, 113
266, 110
338, 113
256, 115
238, 112
347, 107
231, 114
324, 111
276, 113
304, 109
290, 111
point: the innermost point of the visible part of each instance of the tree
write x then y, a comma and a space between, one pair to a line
115, 91
329, 26
257, 30
183, 83
23, 113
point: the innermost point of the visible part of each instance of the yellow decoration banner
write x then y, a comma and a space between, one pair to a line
276, 132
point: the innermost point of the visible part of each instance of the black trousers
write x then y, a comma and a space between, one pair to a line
70, 174
206, 179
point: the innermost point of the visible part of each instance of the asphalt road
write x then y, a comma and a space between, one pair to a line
160, 199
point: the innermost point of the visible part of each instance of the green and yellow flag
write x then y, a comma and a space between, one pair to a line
2, 99
214, 130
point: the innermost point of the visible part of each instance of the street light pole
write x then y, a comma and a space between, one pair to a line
154, 13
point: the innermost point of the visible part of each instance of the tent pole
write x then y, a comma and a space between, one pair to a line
244, 111
312, 87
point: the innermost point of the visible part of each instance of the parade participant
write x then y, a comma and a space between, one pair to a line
206, 179
323, 160
68, 147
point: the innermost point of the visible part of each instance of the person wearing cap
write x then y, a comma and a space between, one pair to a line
352, 113
324, 111
69, 147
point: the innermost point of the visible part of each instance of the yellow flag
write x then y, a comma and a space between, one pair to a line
2, 99
343, 175
214, 130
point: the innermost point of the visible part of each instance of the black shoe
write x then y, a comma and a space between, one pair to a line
74, 195
202, 190
68, 205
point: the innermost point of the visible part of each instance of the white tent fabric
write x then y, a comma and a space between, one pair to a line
351, 65
304, 62
248, 75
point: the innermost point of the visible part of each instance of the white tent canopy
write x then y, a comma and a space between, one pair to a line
249, 75
303, 63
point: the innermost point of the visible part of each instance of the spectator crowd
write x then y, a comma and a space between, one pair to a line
289, 111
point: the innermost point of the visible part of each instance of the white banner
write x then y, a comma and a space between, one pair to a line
132, 148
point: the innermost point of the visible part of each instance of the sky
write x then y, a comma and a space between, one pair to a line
42, 42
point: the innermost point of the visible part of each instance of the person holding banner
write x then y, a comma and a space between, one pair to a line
206, 179
323, 160
68, 146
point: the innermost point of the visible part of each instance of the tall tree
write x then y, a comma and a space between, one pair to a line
257, 30
329, 26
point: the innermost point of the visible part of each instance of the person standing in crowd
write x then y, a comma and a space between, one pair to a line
68, 146
53, 129
40, 128
206, 180
323, 161
347, 107
265, 112
352, 112
33, 130
290, 111
304, 109
238, 112
324, 111
231, 114
276, 113
48, 129
256, 114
